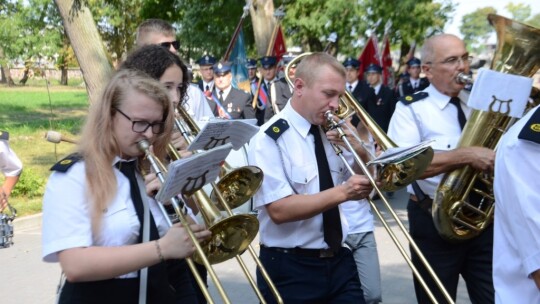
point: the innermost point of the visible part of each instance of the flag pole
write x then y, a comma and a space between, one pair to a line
278, 14
236, 32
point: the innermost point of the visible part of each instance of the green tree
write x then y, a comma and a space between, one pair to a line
476, 29
520, 12
534, 21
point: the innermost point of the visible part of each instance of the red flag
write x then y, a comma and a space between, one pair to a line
386, 62
369, 55
279, 45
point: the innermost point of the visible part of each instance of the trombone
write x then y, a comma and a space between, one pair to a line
332, 124
233, 189
179, 206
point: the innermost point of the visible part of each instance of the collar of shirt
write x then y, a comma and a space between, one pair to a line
442, 100
377, 88
209, 84
297, 121
414, 82
352, 85
225, 92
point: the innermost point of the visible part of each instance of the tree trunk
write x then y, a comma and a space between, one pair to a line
262, 18
3, 78
87, 45
64, 77
24, 79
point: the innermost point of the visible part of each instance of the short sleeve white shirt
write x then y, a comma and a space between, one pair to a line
432, 118
67, 215
516, 243
299, 166
10, 164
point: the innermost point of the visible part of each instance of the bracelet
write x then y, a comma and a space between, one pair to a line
158, 249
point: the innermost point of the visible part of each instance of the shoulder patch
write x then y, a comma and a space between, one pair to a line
66, 163
277, 128
4, 135
408, 99
531, 130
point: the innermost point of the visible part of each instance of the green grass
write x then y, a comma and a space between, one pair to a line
27, 113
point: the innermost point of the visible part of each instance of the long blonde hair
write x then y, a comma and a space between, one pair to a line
98, 145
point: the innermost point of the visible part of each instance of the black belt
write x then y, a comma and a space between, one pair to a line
313, 253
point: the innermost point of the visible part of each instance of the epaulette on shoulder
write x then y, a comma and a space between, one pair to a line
531, 130
4, 135
66, 163
277, 128
408, 99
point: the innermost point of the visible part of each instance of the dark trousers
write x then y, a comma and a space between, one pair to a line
312, 280
126, 291
204, 276
472, 259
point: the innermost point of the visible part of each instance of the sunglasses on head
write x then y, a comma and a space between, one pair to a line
175, 44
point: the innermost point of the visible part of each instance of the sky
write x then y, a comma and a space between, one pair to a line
464, 7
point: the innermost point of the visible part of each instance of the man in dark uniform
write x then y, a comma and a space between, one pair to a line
358, 88
382, 106
281, 91
415, 83
264, 109
231, 103
206, 84
251, 65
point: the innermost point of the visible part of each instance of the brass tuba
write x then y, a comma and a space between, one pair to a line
455, 217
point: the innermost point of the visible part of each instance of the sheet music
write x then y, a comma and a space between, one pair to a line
398, 154
500, 92
218, 132
192, 173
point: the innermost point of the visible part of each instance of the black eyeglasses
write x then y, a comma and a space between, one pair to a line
175, 44
454, 60
140, 126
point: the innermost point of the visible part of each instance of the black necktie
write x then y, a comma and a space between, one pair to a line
350, 88
267, 88
460, 115
207, 88
221, 96
158, 272
331, 219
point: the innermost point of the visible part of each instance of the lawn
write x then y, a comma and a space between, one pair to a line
27, 113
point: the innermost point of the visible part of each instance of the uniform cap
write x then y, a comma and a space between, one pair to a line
351, 63
222, 68
251, 63
268, 61
413, 62
206, 60
373, 68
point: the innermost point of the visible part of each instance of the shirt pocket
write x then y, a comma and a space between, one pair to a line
120, 223
303, 176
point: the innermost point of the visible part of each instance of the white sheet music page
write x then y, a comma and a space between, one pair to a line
218, 132
191, 173
498, 92
397, 154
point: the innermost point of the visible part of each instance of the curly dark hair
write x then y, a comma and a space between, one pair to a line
154, 60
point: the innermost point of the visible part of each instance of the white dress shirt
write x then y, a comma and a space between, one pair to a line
67, 215
300, 165
197, 105
351, 86
432, 118
517, 217
10, 164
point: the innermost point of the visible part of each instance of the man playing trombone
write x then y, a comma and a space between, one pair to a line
439, 113
301, 226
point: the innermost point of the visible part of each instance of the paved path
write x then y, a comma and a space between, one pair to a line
24, 278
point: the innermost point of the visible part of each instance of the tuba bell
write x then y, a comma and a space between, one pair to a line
455, 216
